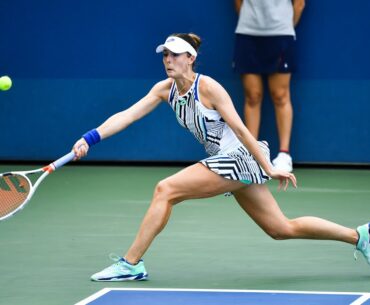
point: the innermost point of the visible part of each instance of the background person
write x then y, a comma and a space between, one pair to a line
264, 45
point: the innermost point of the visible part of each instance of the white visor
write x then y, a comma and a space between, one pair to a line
176, 45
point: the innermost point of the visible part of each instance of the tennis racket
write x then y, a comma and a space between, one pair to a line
16, 188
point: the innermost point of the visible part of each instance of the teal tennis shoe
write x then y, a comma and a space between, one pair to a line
363, 242
120, 271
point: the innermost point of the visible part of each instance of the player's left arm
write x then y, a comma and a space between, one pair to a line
213, 95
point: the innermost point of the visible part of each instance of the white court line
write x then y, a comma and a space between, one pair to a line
94, 296
361, 300
364, 296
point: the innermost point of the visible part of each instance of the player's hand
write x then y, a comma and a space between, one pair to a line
80, 149
284, 178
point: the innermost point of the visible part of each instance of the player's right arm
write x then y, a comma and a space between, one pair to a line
125, 118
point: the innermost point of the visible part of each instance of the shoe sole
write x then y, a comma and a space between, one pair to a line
125, 279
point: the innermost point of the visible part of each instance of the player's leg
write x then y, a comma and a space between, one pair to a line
195, 181
253, 96
258, 202
279, 86
261, 206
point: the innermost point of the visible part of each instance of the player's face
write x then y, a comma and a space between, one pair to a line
175, 64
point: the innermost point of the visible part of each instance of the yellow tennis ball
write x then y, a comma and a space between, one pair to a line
5, 83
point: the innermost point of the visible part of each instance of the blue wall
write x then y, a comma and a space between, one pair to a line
74, 63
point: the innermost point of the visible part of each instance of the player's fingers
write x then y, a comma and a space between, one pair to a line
293, 179
286, 183
77, 154
83, 150
80, 149
280, 184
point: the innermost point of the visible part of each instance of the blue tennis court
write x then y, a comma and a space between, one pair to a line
115, 296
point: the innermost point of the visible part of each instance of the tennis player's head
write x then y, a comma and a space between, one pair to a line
180, 51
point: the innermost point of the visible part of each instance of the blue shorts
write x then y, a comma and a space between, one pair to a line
264, 54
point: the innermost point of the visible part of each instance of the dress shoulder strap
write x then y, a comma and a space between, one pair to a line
196, 85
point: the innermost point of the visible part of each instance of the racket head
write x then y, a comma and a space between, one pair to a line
15, 191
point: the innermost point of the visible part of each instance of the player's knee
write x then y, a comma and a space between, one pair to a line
278, 235
164, 191
281, 232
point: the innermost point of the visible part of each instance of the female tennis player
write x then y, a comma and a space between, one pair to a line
237, 163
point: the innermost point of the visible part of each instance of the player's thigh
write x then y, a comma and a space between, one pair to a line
257, 201
197, 181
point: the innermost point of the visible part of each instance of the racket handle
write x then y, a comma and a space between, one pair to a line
63, 160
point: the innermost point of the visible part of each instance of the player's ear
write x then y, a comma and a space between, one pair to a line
191, 59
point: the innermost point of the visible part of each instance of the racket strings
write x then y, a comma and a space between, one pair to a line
14, 190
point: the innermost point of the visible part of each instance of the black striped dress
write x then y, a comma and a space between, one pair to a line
228, 156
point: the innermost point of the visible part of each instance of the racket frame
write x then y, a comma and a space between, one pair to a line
46, 170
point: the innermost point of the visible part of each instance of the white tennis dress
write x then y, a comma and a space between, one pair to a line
228, 156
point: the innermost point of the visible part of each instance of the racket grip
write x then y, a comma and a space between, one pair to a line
63, 160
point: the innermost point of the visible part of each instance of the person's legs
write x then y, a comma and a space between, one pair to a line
280, 94
279, 86
253, 95
257, 201
195, 181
